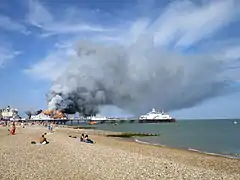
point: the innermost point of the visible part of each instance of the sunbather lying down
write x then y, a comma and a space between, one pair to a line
86, 139
42, 140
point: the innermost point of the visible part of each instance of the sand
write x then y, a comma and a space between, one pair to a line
110, 158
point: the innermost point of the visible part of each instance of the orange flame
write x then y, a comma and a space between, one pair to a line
54, 114
48, 112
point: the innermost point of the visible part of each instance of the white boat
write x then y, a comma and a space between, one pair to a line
156, 116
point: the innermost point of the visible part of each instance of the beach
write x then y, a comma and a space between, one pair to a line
109, 158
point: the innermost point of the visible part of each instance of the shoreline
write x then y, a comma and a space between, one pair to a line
188, 149
109, 158
136, 140
171, 152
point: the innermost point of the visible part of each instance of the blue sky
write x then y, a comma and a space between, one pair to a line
38, 37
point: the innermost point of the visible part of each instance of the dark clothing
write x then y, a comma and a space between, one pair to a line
89, 141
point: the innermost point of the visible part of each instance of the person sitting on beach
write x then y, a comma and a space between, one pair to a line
43, 140
87, 140
82, 138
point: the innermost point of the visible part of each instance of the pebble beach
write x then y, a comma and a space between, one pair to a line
109, 158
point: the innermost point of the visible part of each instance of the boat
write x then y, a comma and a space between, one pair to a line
156, 117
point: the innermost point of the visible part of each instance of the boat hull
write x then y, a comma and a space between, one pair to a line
156, 120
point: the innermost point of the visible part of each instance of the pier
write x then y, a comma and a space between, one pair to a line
117, 121
93, 122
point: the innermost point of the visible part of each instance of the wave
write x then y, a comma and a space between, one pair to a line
148, 143
237, 156
233, 156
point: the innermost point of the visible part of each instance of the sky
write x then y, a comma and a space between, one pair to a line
37, 39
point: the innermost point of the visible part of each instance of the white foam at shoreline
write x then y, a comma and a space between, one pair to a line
143, 142
214, 154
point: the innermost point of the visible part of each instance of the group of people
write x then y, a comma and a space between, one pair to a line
50, 127
43, 140
85, 138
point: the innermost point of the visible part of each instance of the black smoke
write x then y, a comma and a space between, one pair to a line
81, 100
136, 78
29, 113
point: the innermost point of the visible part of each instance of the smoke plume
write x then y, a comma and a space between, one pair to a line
134, 78
29, 113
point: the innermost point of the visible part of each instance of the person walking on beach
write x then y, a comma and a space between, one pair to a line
22, 124
48, 126
51, 127
13, 129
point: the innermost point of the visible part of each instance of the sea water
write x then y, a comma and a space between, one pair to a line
210, 136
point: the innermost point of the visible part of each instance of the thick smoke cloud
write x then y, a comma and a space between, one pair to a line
134, 78
29, 113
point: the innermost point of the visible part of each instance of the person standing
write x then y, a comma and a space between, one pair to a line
13, 129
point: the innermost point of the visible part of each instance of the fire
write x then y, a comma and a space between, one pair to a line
48, 112
58, 115
54, 114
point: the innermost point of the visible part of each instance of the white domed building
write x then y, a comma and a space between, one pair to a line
9, 113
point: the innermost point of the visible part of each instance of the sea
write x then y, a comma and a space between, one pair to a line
219, 137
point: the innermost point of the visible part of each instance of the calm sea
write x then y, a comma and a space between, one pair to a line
212, 136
